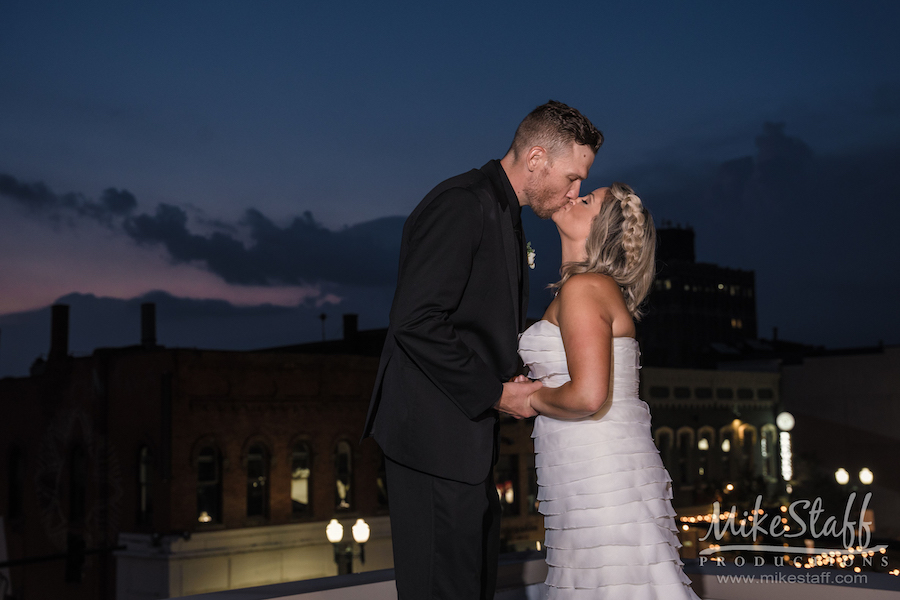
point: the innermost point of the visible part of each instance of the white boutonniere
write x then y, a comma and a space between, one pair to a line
530, 253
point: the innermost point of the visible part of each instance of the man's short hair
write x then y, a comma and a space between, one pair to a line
554, 126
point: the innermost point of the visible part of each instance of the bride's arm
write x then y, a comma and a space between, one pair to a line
585, 322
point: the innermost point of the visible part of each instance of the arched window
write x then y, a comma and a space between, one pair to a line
209, 485
143, 473
706, 445
726, 446
664, 438
748, 449
343, 475
301, 479
685, 455
257, 482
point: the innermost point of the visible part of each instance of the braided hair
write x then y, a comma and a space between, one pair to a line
622, 245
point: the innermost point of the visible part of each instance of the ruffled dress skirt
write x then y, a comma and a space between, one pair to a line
603, 490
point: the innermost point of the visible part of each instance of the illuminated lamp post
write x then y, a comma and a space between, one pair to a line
785, 422
343, 553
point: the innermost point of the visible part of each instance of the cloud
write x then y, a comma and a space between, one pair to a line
303, 252
39, 198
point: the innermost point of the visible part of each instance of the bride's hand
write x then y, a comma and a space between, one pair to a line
514, 400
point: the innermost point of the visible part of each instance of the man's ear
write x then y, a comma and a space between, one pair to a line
536, 156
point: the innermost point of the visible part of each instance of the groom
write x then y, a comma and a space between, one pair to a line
459, 306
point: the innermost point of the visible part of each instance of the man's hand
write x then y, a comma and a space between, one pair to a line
515, 398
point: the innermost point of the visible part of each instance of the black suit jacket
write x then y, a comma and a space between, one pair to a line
460, 303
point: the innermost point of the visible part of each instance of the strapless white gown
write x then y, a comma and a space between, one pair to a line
603, 490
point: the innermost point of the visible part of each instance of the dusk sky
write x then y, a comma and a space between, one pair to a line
250, 163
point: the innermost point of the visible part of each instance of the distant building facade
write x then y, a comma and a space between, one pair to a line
696, 311
214, 469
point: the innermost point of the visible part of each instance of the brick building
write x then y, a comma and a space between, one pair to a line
216, 469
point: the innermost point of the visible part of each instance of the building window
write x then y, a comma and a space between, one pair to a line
343, 476
682, 393
726, 434
381, 485
209, 486
685, 449
703, 393
659, 391
301, 479
506, 477
724, 393
143, 472
706, 439
16, 484
745, 394
663, 439
748, 449
765, 393
257, 482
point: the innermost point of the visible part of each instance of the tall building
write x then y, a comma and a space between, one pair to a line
696, 312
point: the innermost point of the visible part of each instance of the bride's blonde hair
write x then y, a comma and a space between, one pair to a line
622, 245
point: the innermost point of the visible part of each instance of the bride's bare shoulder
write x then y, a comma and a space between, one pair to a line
598, 295
594, 285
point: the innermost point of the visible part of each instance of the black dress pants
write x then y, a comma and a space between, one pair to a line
445, 534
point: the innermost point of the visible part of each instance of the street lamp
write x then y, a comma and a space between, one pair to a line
334, 531
361, 536
866, 477
842, 476
343, 553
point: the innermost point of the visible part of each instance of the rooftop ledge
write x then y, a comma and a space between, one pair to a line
521, 577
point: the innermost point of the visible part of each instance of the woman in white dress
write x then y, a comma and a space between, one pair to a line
603, 490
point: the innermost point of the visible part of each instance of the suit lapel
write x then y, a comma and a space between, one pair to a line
511, 255
523, 306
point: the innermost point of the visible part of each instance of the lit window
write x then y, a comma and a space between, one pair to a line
301, 472
209, 486
343, 469
257, 482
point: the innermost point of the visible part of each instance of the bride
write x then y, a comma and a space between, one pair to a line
604, 492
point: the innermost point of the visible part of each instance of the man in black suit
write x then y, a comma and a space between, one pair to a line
450, 351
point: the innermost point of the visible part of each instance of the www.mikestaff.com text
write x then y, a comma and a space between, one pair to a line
814, 578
